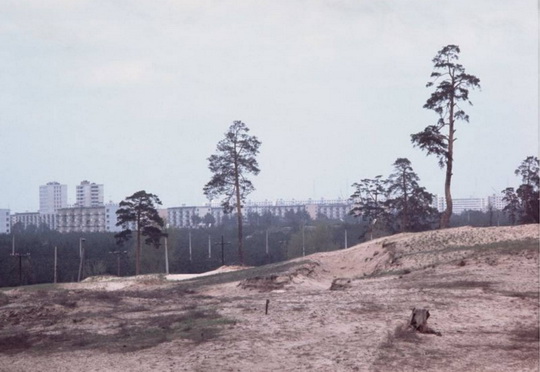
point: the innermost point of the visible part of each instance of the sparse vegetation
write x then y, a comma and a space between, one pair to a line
307, 324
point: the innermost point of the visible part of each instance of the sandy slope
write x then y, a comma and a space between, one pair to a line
483, 301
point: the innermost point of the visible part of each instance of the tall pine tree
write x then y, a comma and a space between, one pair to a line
235, 158
452, 89
139, 212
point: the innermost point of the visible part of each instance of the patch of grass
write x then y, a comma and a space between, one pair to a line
529, 294
63, 298
197, 325
4, 299
501, 247
200, 326
529, 334
15, 341
112, 298
368, 307
236, 276
380, 274
460, 284
35, 287
401, 333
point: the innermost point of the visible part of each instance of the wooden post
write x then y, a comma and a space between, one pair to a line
222, 251
266, 309
81, 261
303, 241
267, 242
190, 254
20, 270
55, 262
118, 264
166, 256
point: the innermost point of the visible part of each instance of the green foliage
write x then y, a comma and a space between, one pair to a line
234, 160
38, 267
512, 208
408, 202
395, 204
523, 204
368, 198
139, 211
480, 219
312, 239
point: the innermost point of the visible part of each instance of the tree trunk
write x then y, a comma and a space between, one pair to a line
238, 212
445, 218
138, 247
405, 220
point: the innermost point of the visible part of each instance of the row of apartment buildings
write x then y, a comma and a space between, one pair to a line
90, 214
336, 209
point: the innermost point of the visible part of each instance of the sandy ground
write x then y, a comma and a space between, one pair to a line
484, 302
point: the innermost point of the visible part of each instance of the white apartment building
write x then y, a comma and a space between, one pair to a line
52, 197
460, 205
89, 194
88, 219
333, 209
5, 221
36, 219
110, 218
496, 201
81, 219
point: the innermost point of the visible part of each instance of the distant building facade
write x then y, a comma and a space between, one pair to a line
496, 202
193, 216
89, 194
52, 197
5, 221
460, 205
81, 219
88, 219
36, 219
110, 218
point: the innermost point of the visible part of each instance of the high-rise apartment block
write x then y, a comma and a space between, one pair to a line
52, 197
89, 195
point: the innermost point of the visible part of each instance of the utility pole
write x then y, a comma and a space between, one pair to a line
346, 242
55, 262
222, 250
190, 252
81, 258
166, 236
118, 253
209, 246
20, 255
267, 242
303, 240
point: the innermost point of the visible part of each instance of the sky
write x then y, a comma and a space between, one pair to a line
135, 95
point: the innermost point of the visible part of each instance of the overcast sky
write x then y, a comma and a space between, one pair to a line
136, 94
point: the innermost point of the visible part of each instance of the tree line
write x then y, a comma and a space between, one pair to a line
382, 206
385, 206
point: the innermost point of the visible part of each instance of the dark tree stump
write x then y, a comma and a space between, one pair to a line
419, 321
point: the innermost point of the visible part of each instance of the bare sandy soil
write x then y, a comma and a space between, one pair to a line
481, 286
